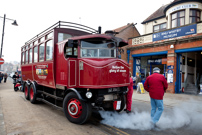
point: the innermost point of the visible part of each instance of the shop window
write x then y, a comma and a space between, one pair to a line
41, 52
194, 16
190, 62
178, 19
36, 54
49, 50
159, 27
30, 56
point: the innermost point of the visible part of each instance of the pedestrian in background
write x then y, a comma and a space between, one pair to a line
138, 80
1, 76
129, 95
5, 77
15, 77
156, 85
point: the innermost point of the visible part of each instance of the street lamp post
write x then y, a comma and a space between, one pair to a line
14, 23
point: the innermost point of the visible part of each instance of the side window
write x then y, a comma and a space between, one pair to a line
26, 57
70, 51
30, 56
41, 52
23, 58
49, 50
36, 54
63, 36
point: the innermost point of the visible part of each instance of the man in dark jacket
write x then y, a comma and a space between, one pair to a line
156, 85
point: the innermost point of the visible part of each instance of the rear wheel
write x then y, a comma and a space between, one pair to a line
32, 94
76, 111
26, 91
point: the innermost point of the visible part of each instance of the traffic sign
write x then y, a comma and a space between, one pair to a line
1, 61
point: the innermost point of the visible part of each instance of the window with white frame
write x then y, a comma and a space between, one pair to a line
159, 27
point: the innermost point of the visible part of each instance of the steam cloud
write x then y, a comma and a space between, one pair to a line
187, 114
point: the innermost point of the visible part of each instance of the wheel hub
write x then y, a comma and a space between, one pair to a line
74, 108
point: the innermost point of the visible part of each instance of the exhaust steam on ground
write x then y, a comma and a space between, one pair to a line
185, 115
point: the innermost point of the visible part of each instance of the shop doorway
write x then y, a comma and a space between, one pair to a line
189, 72
144, 65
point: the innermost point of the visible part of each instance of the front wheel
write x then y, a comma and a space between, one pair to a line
76, 110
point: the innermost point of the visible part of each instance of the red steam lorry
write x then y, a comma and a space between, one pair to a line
75, 68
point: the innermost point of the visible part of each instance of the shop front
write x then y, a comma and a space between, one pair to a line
179, 57
189, 70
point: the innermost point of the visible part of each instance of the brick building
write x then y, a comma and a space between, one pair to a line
126, 32
172, 41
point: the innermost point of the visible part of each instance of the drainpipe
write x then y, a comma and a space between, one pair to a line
128, 52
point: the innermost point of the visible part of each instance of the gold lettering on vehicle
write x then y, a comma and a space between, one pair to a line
117, 69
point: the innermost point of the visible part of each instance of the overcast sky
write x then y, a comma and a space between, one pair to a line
34, 16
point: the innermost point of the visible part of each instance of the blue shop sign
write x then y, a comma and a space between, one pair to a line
170, 67
178, 32
170, 71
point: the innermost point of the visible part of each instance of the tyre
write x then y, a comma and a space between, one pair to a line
26, 91
15, 89
76, 111
32, 94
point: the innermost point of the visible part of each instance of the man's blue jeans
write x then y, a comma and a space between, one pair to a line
156, 109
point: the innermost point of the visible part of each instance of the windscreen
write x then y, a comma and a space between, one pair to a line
98, 49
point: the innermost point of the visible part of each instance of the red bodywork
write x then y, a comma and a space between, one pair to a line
64, 72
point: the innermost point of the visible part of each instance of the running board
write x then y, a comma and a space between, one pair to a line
50, 95
49, 103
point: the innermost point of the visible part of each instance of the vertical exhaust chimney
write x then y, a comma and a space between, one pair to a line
99, 29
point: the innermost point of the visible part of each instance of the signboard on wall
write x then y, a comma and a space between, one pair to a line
157, 61
178, 32
170, 67
184, 6
170, 76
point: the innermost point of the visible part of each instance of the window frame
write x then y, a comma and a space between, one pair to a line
37, 59
26, 56
195, 16
178, 18
39, 51
98, 51
23, 58
159, 28
30, 59
46, 50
